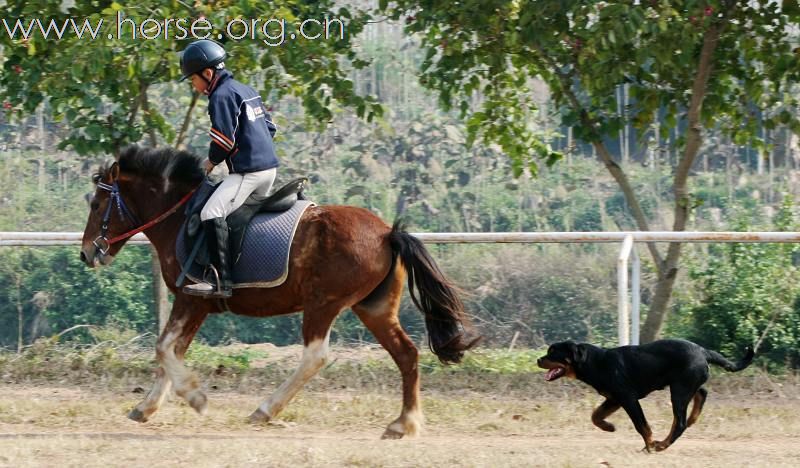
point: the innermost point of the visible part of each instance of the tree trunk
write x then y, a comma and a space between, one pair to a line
42, 149
570, 146
151, 132
667, 273
626, 139
160, 298
20, 314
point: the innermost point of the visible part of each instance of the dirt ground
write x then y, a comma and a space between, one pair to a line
58, 425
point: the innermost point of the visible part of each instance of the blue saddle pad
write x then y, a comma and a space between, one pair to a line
264, 262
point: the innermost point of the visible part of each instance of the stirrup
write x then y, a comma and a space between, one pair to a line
206, 289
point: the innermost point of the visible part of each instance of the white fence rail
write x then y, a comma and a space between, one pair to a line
628, 307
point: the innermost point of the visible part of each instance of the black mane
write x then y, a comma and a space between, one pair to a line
176, 165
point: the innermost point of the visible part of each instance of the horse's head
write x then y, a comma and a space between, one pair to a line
109, 216
141, 189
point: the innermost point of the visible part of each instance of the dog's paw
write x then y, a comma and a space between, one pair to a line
649, 447
661, 445
606, 426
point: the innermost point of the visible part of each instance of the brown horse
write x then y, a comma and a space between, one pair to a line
341, 257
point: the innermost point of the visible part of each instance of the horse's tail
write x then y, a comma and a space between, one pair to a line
445, 319
713, 357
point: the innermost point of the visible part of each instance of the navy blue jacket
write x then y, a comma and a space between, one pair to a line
241, 128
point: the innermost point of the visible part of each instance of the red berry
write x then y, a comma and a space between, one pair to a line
17, 69
709, 11
7, 105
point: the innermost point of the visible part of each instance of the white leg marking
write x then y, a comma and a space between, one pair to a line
408, 424
315, 354
155, 397
180, 376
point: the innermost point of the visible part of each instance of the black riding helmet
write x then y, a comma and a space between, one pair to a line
200, 55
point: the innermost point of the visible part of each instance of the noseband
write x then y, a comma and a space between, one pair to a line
102, 243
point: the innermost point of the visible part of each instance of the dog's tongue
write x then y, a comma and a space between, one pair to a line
552, 373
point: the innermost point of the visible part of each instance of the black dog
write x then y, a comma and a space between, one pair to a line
626, 374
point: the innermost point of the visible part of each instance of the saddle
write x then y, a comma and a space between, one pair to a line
281, 200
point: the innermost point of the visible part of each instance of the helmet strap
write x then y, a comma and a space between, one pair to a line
210, 84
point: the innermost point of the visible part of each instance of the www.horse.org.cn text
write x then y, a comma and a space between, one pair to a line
272, 32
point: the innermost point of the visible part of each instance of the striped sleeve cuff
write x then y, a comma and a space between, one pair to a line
220, 139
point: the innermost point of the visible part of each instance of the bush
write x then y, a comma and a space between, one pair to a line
750, 295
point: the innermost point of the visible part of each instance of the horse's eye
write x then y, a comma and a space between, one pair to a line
95, 205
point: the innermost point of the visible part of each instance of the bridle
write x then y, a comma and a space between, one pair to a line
102, 242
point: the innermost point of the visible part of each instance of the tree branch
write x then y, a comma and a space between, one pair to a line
146, 108
186, 120
613, 168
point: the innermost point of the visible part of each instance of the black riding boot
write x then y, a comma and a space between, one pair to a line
217, 235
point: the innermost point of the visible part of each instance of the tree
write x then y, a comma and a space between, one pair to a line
101, 82
688, 66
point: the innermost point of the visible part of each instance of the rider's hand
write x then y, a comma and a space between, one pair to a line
209, 166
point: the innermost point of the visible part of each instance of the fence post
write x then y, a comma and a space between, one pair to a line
623, 312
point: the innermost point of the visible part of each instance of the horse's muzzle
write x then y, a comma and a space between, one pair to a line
92, 256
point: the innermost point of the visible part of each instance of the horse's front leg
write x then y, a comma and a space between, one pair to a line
155, 397
185, 319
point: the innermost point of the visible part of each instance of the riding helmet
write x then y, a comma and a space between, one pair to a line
200, 55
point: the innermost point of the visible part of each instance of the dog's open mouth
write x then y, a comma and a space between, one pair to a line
555, 373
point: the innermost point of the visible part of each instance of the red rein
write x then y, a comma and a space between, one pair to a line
152, 222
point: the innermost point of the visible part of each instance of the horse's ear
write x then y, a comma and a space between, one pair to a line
114, 172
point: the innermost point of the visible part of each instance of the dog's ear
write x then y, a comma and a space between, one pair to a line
581, 353
573, 351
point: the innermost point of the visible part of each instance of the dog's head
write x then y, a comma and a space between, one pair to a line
561, 359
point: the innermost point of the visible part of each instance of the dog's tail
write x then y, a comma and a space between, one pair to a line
716, 358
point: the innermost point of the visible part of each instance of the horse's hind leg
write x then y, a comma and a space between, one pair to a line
379, 314
316, 335
184, 321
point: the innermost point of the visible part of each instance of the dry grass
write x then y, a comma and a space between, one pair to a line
497, 417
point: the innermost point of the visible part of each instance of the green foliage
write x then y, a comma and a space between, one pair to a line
584, 51
57, 291
205, 358
749, 295
489, 361
113, 106
228, 328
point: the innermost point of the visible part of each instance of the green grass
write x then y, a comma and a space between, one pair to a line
122, 361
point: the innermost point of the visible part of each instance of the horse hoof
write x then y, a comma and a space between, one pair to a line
258, 417
137, 416
392, 434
